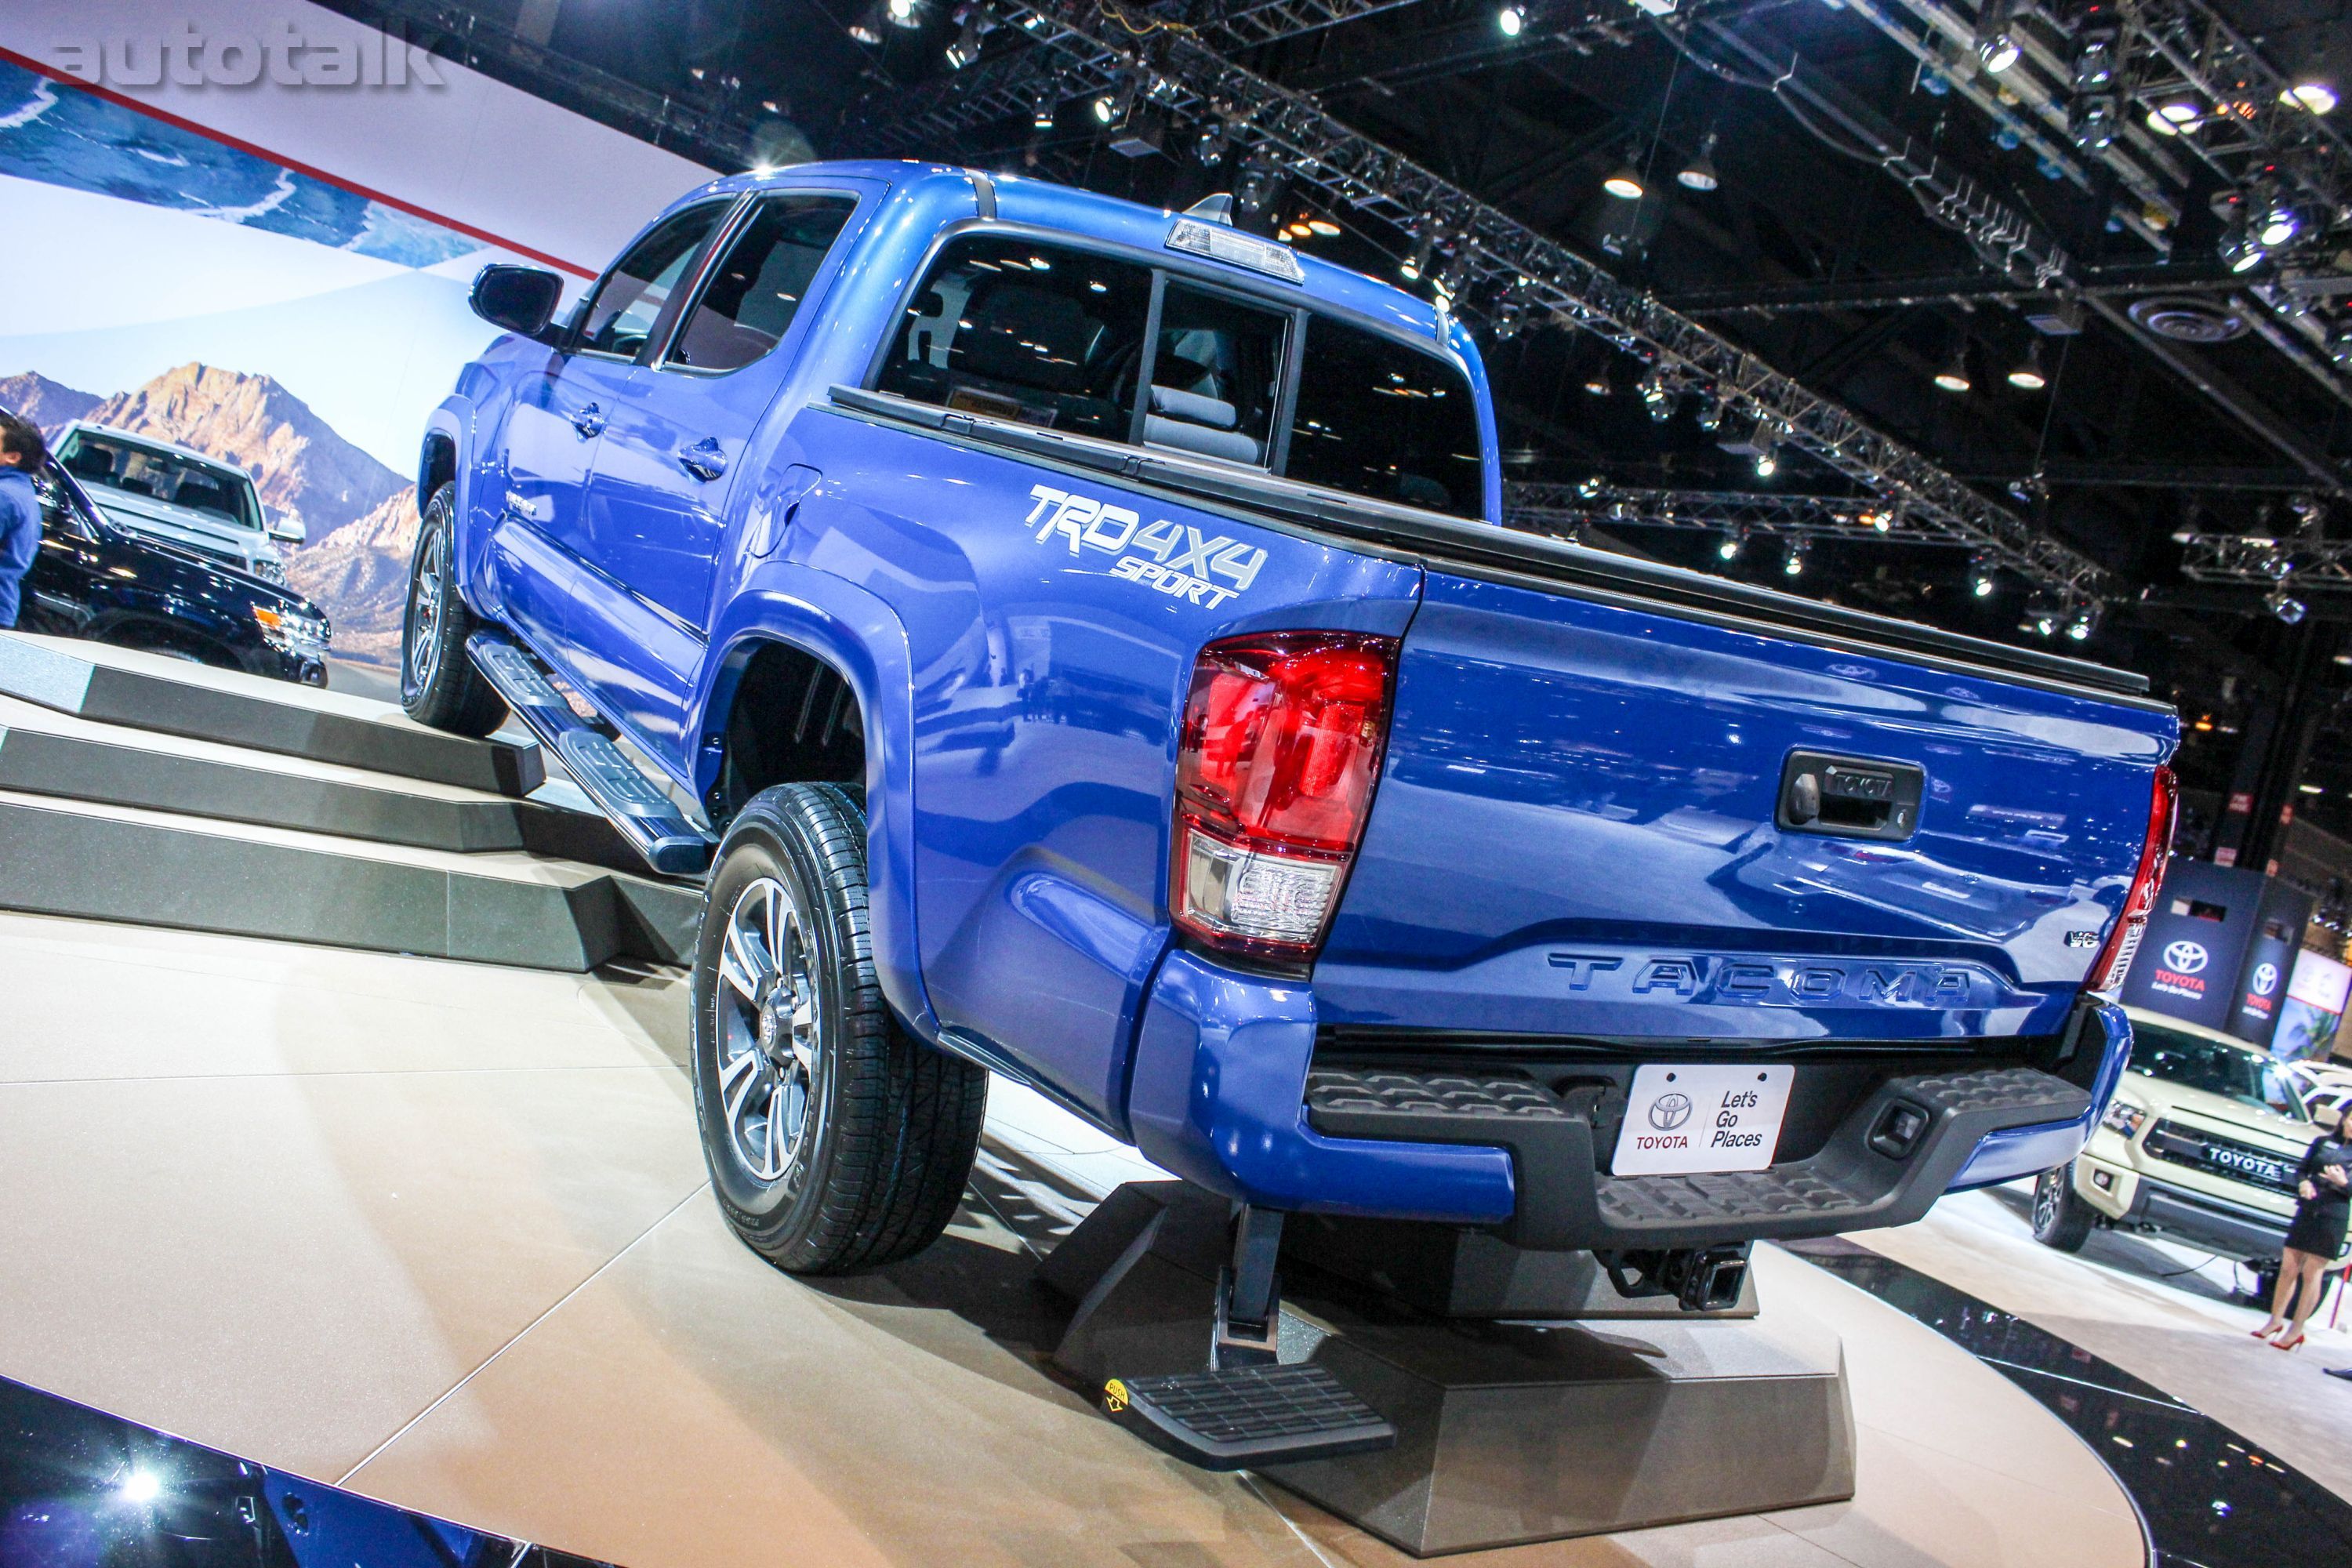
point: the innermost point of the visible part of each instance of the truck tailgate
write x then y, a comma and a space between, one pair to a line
1574, 834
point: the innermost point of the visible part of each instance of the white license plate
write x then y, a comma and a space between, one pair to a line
1683, 1120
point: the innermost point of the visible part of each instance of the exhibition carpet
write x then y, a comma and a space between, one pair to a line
2208, 1497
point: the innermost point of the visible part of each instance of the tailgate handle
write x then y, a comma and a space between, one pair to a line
1850, 797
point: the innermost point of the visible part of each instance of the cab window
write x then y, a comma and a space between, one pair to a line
1015, 330
756, 288
1378, 418
1216, 373
623, 311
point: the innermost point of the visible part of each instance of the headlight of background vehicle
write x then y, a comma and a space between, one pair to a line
2122, 1116
293, 631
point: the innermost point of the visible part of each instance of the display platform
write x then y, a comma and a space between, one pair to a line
137, 787
1508, 1431
438, 1232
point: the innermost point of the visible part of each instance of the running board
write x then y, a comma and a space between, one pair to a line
641, 813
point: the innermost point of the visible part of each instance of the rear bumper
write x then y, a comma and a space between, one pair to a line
1226, 1093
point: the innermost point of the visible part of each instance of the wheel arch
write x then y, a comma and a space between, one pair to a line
820, 628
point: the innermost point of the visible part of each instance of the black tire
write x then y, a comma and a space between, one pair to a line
438, 683
2061, 1218
867, 1166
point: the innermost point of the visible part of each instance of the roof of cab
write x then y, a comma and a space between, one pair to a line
1045, 204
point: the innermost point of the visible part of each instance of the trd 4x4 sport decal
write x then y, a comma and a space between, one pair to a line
1172, 557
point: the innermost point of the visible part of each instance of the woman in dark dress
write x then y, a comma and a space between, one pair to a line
2316, 1240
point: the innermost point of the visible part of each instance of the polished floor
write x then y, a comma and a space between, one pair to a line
438, 1232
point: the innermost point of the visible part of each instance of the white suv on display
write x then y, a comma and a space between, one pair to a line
2199, 1143
167, 492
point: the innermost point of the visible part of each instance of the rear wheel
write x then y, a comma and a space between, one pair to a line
2061, 1218
438, 683
835, 1140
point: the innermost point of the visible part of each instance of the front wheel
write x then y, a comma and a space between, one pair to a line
836, 1141
2061, 1218
438, 683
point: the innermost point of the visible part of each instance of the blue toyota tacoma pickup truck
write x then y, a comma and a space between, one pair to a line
1080, 642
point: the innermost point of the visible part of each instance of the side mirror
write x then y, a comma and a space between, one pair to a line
520, 299
284, 527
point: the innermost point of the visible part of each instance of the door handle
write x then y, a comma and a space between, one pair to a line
704, 461
589, 422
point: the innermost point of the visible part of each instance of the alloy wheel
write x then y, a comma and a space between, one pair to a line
424, 600
768, 1038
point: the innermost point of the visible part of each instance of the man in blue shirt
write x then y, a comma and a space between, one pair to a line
21, 451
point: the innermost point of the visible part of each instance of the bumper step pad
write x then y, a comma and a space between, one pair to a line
1568, 1199
1239, 1418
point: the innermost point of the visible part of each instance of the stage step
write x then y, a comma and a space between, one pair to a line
640, 812
53, 754
1243, 1418
98, 861
147, 691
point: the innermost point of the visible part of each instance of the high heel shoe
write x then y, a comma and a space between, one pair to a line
2292, 1342
2267, 1330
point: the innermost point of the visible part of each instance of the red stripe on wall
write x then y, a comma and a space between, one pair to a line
208, 133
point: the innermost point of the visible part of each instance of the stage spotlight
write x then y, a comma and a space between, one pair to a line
1997, 47
1734, 541
1954, 376
867, 29
1510, 315
1980, 578
1626, 185
1794, 566
2030, 376
2083, 622
1657, 397
1512, 20
2241, 250
1424, 247
2315, 96
1699, 174
1768, 460
975, 25
2285, 607
904, 13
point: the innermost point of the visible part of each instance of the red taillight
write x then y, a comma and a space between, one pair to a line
1275, 766
2116, 957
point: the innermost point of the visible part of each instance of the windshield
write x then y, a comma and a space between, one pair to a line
123, 464
2231, 1071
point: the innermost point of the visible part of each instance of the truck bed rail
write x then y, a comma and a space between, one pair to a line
1488, 550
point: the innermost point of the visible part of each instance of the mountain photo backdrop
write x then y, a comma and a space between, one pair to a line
360, 515
174, 286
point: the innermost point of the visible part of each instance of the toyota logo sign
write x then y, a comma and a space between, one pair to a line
2265, 978
1669, 1111
2186, 957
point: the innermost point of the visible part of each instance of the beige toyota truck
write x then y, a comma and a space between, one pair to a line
2200, 1144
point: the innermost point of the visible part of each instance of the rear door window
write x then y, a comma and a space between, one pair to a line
756, 288
1216, 376
1015, 329
628, 304
1379, 419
